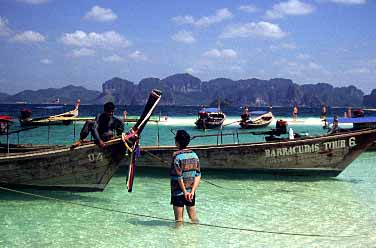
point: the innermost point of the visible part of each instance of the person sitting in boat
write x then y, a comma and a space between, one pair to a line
103, 128
335, 128
245, 115
349, 112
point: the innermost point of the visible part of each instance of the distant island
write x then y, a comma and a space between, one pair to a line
185, 89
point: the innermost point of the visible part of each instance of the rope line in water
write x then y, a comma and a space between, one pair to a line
173, 221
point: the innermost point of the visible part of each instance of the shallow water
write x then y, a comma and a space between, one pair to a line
235, 209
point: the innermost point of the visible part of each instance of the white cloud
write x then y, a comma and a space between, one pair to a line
28, 37
205, 21
224, 53
181, 20
249, 8
236, 68
291, 7
190, 70
349, 2
218, 62
109, 39
217, 67
358, 71
46, 61
4, 29
288, 46
35, 2
299, 68
260, 29
221, 15
100, 14
363, 67
372, 62
138, 56
83, 52
314, 66
184, 37
303, 56
113, 58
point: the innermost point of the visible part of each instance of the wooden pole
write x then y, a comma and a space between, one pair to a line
8, 137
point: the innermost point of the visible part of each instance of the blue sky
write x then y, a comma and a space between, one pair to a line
53, 43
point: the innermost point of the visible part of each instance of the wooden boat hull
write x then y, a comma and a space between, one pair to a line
210, 120
258, 122
200, 124
44, 122
323, 155
85, 168
21, 148
372, 147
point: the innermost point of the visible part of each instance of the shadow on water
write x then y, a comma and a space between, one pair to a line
151, 223
232, 175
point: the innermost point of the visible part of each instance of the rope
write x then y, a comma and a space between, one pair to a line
173, 221
230, 123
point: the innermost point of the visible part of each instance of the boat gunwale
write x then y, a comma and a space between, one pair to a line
263, 143
53, 150
209, 146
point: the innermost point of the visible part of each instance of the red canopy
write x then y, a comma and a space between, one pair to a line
5, 118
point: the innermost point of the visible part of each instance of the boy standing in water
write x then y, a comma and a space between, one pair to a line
185, 176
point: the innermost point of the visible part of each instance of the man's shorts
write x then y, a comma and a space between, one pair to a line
180, 201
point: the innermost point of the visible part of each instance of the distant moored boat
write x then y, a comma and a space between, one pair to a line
209, 118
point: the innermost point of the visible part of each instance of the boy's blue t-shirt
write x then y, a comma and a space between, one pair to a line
185, 165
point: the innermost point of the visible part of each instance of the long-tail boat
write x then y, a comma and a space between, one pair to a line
84, 168
256, 119
209, 118
65, 118
325, 155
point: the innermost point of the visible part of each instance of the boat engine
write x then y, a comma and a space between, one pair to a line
281, 127
358, 113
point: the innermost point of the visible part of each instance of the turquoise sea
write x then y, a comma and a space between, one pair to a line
235, 209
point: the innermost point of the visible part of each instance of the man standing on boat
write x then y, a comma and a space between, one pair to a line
323, 112
185, 176
295, 113
103, 128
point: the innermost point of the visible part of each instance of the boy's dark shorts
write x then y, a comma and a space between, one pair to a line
180, 201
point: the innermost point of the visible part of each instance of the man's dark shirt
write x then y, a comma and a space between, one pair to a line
105, 126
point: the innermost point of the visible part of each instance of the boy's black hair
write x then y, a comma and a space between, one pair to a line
109, 107
183, 138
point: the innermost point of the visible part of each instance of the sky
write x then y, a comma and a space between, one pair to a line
54, 43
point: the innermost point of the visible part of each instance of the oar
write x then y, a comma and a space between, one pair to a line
230, 123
